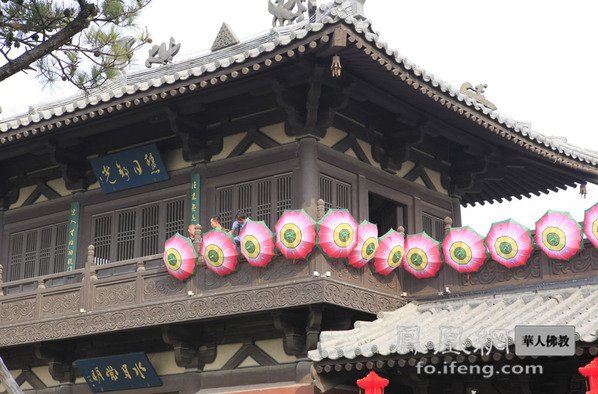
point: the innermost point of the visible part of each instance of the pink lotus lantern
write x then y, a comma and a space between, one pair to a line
219, 251
390, 252
590, 224
337, 234
464, 249
422, 256
180, 257
559, 235
509, 243
367, 243
257, 243
295, 234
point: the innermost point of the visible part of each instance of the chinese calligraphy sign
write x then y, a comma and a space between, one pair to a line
129, 169
121, 372
71, 254
195, 199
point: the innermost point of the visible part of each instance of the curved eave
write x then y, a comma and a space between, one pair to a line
388, 65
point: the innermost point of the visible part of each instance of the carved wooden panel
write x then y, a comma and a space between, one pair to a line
193, 308
386, 284
160, 287
586, 260
281, 268
344, 272
360, 299
18, 310
57, 304
114, 295
493, 272
245, 275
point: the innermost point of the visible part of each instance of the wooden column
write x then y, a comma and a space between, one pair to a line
456, 212
362, 199
309, 175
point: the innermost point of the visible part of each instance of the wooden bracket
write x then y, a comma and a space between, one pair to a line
199, 144
189, 352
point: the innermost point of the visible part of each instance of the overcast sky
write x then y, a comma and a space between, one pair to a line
538, 58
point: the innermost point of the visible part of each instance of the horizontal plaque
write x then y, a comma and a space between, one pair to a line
130, 168
121, 372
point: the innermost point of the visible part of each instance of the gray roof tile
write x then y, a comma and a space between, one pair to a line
476, 316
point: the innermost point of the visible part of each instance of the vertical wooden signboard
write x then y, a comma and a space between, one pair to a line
195, 199
71, 254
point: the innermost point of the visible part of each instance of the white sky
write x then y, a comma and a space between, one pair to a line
538, 58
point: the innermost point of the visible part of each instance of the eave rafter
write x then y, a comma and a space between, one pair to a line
179, 88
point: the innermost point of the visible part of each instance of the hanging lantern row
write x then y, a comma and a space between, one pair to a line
338, 236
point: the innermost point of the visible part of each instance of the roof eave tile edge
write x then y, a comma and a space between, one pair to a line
429, 85
257, 63
520, 131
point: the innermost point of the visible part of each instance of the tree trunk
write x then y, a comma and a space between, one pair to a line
7, 380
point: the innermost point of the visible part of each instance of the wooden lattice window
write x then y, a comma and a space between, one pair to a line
433, 226
37, 252
336, 194
262, 199
138, 231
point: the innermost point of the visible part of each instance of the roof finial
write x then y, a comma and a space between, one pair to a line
225, 38
357, 8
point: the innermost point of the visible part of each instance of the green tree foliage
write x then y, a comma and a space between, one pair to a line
84, 42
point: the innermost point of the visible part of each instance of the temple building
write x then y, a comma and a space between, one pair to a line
318, 113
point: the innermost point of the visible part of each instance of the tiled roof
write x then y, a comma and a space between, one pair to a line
475, 318
334, 12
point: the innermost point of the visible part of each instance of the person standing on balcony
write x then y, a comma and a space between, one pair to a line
215, 223
238, 224
191, 232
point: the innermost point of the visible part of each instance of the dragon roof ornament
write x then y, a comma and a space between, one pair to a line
161, 54
288, 11
477, 94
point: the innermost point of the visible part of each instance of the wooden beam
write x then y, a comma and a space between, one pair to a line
7, 379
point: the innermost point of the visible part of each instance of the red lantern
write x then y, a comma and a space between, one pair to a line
591, 371
373, 384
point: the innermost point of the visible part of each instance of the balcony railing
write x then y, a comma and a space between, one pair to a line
138, 293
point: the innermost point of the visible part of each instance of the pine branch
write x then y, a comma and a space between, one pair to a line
86, 12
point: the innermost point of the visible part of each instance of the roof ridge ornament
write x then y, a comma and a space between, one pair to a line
162, 55
225, 38
477, 94
282, 10
357, 8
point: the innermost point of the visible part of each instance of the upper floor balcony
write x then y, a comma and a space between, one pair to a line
104, 297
